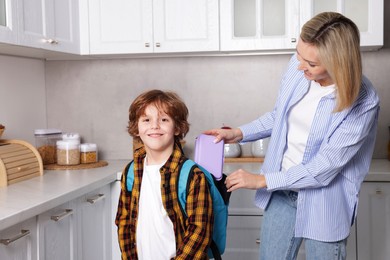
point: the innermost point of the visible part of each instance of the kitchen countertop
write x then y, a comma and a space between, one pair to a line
23, 200
26, 199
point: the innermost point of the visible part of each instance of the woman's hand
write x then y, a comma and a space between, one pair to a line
243, 179
233, 135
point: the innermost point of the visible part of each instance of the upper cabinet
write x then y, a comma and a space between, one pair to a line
250, 25
8, 22
121, 27
49, 24
259, 24
147, 26
367, 14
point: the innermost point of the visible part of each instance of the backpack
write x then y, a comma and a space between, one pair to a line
219, 195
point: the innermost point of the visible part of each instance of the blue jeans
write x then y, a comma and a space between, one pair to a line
277, 233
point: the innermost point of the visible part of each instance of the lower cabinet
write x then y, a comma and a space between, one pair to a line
243, 238
94, 219
57, 233
243, 230
19, 242
76, 230
373, 221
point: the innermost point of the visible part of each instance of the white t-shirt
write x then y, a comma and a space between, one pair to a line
155, 234
300, 121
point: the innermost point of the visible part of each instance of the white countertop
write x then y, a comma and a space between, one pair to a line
23, 200
26, 199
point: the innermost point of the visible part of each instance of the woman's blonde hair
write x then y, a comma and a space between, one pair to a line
337, 39
166, 101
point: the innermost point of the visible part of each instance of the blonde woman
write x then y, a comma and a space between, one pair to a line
322, 131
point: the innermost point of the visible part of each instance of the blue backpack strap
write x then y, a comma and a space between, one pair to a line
219, 207
130, 177
183, 182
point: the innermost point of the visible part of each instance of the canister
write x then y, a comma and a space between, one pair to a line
88, 153
68, 152
45, 142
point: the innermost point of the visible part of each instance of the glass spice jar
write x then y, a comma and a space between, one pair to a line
88, 153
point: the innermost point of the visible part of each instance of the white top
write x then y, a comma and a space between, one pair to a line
155, 233
300, 121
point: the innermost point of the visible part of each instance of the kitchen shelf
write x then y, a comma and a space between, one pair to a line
244, 159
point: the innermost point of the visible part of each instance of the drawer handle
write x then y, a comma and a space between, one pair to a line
62, 215
52, 41
95, 199
7, 241
147, 45
258, 241
158, 44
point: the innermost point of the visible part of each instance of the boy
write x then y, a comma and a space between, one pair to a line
150, 223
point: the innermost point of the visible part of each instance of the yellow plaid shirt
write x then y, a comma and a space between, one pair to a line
193, 233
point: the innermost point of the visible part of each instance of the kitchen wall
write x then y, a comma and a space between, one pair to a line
22, 97
92, 97
218, 90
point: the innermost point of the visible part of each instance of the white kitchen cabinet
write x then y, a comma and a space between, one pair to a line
248, 25
94, 225
243, 238
49, 24
137, 26
19, 242
373, 221
8, 22
367, 14
57, 233
264, 25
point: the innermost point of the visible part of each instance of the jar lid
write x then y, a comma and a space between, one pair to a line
88, 147
70, 136
67, 145
49, 131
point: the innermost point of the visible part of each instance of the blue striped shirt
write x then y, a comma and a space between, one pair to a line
335, 161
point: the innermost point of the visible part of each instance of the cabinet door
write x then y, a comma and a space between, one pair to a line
19, 242
185, 26
49, 24
57, 233
243, 240
367, 14
373, 221
120, 26
94, 232
259, 24
8, 22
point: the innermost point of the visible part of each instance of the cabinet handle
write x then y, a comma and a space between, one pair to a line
258, 241
147, 45
293, 39
158, 44
52, 41
378, 192
7, 241
95, 199
62, 215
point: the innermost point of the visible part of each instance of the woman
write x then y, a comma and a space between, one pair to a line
322, 129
